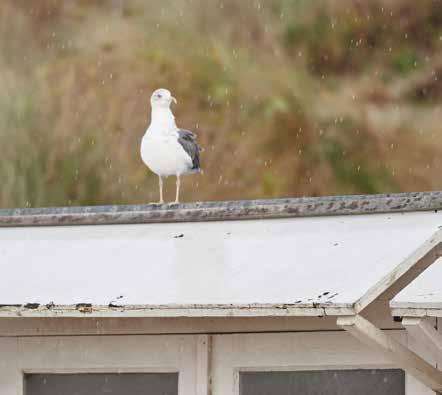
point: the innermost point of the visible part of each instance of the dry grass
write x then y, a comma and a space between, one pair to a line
289, 97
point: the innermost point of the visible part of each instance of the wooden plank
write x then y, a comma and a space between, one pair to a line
410, 362
427, 305
422, 330
203, 364
415, 312
161, 311
267, 352
423, 293
97, 354
152, 326
404, 273
378, 313
11, 377
413, 385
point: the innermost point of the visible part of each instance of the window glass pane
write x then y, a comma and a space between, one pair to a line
325, 382
97, 384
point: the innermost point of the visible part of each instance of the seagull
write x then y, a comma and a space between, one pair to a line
166, 149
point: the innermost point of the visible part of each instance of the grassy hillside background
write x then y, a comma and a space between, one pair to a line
288, 97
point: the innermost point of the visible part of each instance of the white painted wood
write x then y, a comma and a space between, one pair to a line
290, 352
203, 365
166, 311
111, 354
231, 354
399, 354
421, 349
415, 312
415, 387
425, 333
145, 326
282, 262
10, 375
378, 313
423, 293
404, 273
439, 330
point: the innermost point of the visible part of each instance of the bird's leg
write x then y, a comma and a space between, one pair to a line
178, 183
161, 190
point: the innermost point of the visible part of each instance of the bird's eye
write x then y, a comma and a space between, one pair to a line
159, 96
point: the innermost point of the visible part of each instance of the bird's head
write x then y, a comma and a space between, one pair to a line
161, 98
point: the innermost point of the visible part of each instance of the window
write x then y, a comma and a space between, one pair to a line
101, 383
324, 382
100, 365
306, 363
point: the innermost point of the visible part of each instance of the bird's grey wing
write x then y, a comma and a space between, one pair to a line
187, 140
187, 133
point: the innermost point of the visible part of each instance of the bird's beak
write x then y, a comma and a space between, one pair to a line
174, 100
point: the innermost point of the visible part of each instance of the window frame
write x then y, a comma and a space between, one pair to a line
101, 354
330, 350
204, 362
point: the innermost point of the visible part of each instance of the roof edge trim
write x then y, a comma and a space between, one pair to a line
223, 210
95, 311
416, 311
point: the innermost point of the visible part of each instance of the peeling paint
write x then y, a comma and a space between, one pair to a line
250, 310
84, 308
31, 305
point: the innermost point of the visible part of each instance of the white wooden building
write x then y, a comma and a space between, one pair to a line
311, 296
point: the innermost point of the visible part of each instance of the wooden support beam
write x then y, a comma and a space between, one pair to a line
204, 365
404, 273
422, 331
400, 355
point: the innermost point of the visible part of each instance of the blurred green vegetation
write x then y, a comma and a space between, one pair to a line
288, 97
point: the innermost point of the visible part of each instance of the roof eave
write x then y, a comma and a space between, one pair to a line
416, 309
131, 311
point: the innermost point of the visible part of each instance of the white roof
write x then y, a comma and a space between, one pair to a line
286, 266
423, 296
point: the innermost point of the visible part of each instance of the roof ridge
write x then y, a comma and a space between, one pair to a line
223, 210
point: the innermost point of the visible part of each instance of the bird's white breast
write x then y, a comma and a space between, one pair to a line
164, 155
